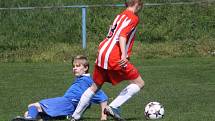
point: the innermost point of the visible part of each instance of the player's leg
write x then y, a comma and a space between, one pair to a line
84, 101
33, 110
128, 92
136, 83
113, 108
19, 118
26, 114
31, 114
89, 93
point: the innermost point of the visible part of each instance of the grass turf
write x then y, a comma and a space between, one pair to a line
185, 86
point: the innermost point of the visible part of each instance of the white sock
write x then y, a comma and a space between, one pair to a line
125, 95
83, 103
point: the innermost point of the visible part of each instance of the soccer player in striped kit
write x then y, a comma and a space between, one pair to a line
112, 63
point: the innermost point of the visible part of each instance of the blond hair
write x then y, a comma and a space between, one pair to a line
83, 60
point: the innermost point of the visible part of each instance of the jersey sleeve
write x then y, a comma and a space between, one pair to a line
99, 97
125, 31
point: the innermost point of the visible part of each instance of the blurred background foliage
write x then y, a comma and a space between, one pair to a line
55, 34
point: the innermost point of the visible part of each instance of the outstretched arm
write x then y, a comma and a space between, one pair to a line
101, 99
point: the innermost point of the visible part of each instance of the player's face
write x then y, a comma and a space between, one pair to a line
138, 7
78, 68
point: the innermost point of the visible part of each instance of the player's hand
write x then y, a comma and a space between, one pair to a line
123, 61
104, 117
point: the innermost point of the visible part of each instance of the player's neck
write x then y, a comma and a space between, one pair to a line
132, 9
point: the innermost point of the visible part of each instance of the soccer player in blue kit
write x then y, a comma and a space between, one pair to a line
66, 105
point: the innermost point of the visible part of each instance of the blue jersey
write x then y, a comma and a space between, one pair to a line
78, 88
66, 105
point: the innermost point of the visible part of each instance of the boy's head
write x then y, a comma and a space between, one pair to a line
80, 65
136, 4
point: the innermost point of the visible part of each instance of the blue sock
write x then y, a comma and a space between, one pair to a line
32, 112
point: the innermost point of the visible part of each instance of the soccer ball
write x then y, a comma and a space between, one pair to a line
154, 110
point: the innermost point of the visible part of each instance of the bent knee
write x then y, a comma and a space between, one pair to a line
37, 105
34, 104
139, 81
141, 84
26, 114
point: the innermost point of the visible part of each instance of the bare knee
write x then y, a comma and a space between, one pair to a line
138, 81
94, 87
37, 105
26, 114
34, 104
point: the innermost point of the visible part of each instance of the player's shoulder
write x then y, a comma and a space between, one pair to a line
134, 18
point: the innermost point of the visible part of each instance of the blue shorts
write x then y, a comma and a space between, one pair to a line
59, 106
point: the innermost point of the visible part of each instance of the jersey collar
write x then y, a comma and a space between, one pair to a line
88, 74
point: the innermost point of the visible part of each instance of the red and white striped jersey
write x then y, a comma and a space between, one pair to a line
109, 52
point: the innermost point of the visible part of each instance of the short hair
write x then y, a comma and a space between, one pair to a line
130, 3
83, 60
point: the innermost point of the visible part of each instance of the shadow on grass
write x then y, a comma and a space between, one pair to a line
110, 119
133, 119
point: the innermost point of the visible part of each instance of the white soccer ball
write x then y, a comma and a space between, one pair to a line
154, 110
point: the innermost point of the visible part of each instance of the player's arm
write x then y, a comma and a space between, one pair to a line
101, 98
122, 43
103, 116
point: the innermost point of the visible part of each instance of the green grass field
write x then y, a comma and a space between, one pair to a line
185, 86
